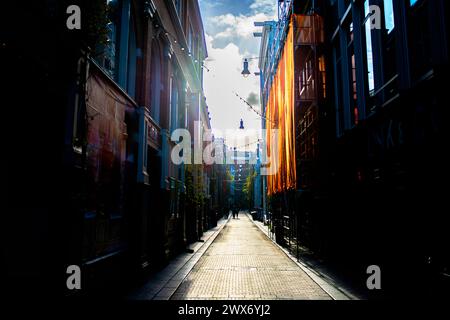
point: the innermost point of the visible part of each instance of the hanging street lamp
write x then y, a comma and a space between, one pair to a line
246, 72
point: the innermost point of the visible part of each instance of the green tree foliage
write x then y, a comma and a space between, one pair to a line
249, 188
96, 14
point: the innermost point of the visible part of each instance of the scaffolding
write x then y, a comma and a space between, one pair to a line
309, 91
277, 39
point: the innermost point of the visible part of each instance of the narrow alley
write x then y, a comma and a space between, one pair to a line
242, 263
139, 126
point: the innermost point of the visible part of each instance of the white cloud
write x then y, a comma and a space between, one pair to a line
266, 6
221, 83
238, 26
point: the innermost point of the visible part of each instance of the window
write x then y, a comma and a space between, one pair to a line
369, 50
190, 40
340, 126
179, 6
306, 83
173, 104
389, 15
322, 77
354, 91
350, 33
132, 59
156, 82
352, 75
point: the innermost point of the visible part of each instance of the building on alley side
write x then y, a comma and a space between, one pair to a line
102, 104
357, 90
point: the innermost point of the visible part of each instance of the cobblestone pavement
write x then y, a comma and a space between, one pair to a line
243, 264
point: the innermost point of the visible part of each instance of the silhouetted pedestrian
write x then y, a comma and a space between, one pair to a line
235, 212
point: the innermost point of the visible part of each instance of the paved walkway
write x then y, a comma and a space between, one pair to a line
162, 285
243, 264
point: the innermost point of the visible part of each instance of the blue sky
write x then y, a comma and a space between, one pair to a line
215, 8
229, 35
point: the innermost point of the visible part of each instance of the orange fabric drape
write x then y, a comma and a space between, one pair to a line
280, 115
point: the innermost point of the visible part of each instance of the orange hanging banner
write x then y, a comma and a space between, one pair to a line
281, 115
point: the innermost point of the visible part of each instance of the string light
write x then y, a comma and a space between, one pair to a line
249, 144
252, 108
171, 38
245, 145
174, 39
